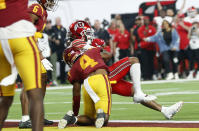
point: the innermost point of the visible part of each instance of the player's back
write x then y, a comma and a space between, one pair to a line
88, 62
12, 11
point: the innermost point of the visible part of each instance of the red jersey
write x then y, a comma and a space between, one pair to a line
12, 11
39, 11
184, 40
89, 62
144, 32
123, 40
113, 32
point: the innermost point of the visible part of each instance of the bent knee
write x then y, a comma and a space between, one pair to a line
133, 60
6, 100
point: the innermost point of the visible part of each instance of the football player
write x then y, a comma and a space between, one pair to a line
82, 31
88, 68
39, 15
19, 52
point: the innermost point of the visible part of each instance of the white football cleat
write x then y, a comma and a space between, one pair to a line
170, 111
100, 118
176, 76
137, 98
197, 76
170, 76
190, 76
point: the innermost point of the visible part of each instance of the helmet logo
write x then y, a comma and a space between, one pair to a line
79, 25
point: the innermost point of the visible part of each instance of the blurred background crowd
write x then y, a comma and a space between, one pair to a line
165, 40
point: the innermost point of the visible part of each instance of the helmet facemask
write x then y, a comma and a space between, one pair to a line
49, 5
88, 34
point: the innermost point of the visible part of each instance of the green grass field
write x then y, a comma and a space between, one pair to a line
58, 102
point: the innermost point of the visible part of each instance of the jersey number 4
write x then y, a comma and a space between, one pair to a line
2, 4
86, 61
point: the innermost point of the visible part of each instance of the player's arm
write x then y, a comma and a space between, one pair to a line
106, 56
34, 18
76, 97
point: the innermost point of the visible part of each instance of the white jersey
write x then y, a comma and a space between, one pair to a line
22, 28
43, 45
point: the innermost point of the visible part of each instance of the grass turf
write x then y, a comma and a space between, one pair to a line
58, 102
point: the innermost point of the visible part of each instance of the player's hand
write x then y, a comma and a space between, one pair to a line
173, 49
47, 65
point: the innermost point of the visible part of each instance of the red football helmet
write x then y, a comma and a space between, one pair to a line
48, 4
70, 55
80, 30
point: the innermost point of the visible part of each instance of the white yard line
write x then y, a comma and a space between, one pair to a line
117, 103
132, 121
168, 81
176, 93
168, 89
143, 82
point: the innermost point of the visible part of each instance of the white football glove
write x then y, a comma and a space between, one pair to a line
43, 45
47, 65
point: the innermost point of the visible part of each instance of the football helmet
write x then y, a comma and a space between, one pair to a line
70, 55
49, 5
80, 30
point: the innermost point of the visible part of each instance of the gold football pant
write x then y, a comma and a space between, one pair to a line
27, 60
101, 86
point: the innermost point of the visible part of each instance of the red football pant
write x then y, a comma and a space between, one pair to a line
117, 72
123, 88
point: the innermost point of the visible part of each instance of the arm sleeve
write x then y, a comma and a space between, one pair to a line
152, 38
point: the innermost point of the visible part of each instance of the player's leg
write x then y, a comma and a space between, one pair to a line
135, 73
25, 121
6, 98
89, 111
6, 93
83, 120
123, 88
101, 86
130, 64
44, 84
97, 108
5, 103
27, 60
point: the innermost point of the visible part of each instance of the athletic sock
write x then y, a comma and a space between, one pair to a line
135, 73
25, 118
163, 109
